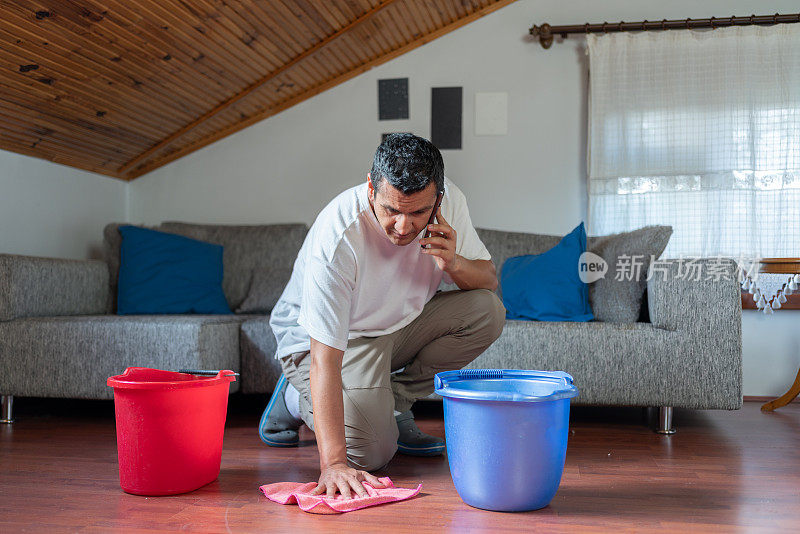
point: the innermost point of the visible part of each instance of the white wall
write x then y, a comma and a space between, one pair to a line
47, 209
770, 351
287, 167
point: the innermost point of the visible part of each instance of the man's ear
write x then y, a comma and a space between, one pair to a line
370, 189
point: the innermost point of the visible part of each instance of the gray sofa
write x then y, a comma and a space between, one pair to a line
59, 336
688, 354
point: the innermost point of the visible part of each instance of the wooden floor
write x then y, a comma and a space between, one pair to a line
723, 471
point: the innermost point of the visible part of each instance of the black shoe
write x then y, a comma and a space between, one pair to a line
278, 427
413, 441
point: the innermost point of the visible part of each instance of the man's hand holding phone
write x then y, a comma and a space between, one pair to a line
440, 242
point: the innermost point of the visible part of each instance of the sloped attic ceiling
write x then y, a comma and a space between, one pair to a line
121, 87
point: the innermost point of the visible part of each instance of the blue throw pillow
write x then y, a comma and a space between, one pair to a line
163, 273
547, 286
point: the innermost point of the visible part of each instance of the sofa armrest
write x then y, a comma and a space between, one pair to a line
701, 295
704, 309
34, 287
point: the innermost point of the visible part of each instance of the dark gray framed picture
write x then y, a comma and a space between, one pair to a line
392, 99
446, 117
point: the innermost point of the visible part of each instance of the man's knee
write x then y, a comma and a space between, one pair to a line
493, 313
369, 456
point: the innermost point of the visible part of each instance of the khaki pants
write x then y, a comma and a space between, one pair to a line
452, 330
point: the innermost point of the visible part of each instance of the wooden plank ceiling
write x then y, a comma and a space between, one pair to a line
122, 87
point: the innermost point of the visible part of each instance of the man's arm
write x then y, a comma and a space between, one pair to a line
326, 398
474, 274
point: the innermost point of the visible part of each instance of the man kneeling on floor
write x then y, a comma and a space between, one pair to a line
361, 328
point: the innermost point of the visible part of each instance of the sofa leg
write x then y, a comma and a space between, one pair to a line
8, 404
665, 420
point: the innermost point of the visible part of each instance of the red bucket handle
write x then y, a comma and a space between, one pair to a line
146, 378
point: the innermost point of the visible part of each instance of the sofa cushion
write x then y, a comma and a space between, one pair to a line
32, 286
112, 241
72, 357
166, 273
265, 289
619, 300
547, 286
503, 245
611, 300
246, 248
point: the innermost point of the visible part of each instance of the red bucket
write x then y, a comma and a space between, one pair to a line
169, 429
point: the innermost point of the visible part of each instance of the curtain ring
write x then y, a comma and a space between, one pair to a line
730, 22
687, 23
644, 25
663, 24
619, 25
775, 18
604, 27
586, 27
711, 20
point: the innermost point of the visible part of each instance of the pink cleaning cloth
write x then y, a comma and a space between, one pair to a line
300, 493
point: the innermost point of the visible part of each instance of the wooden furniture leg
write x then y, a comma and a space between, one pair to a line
786, 398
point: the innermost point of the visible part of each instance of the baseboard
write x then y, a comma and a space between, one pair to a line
759, 398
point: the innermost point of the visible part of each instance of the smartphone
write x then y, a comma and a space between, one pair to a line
438, 203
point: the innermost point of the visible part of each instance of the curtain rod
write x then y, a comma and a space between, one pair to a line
545, 32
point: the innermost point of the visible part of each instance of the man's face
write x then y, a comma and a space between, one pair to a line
401, 216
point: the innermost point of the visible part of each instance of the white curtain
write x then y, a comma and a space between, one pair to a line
699, 130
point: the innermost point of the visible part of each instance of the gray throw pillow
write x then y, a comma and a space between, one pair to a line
266, 287
620, 301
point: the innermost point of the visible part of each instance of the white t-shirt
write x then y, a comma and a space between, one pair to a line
349, 280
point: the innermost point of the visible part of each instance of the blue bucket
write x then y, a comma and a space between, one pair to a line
506, 433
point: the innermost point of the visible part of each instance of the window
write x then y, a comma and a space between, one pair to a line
700, 131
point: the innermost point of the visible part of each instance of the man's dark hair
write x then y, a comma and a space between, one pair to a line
409, 163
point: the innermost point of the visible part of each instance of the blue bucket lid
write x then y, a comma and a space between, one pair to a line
505, 385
